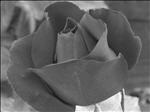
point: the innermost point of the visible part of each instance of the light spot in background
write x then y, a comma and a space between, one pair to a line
8, 105
39, 6
7, 8
4, 63
90, 4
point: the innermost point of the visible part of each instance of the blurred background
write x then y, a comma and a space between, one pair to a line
20, 18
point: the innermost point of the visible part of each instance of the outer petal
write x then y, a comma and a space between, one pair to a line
98, 30
20, 52
58, 13
120, 35
28, 86
85, 82
43, 45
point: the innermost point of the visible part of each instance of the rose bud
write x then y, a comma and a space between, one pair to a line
74, 58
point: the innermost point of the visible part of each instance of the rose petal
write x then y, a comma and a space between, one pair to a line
94, 26
70, 44
112, 104
85, 82
120, 35
98, 29
102, 51
64, 50
80, 48
88, 39
32, 90
20, 52
43, 45
28, 86
58, 13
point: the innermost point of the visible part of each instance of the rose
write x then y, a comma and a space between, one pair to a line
98, 73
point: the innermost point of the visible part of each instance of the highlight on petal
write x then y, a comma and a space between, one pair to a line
44, 45
131, 104
58, 13
89, 108
85, 82
120, 35
111, 104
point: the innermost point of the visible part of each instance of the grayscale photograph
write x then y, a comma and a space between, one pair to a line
75, 56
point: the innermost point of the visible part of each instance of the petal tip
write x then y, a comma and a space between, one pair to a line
59, 11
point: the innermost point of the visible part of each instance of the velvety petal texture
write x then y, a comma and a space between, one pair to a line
43, 45
121, 38
28, 86
74, 58
70, 80
58, 12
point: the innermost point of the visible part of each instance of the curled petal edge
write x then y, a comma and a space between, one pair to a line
76, 81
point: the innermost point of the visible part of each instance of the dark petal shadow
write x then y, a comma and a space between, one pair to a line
70, 26
120, 35
60, 11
